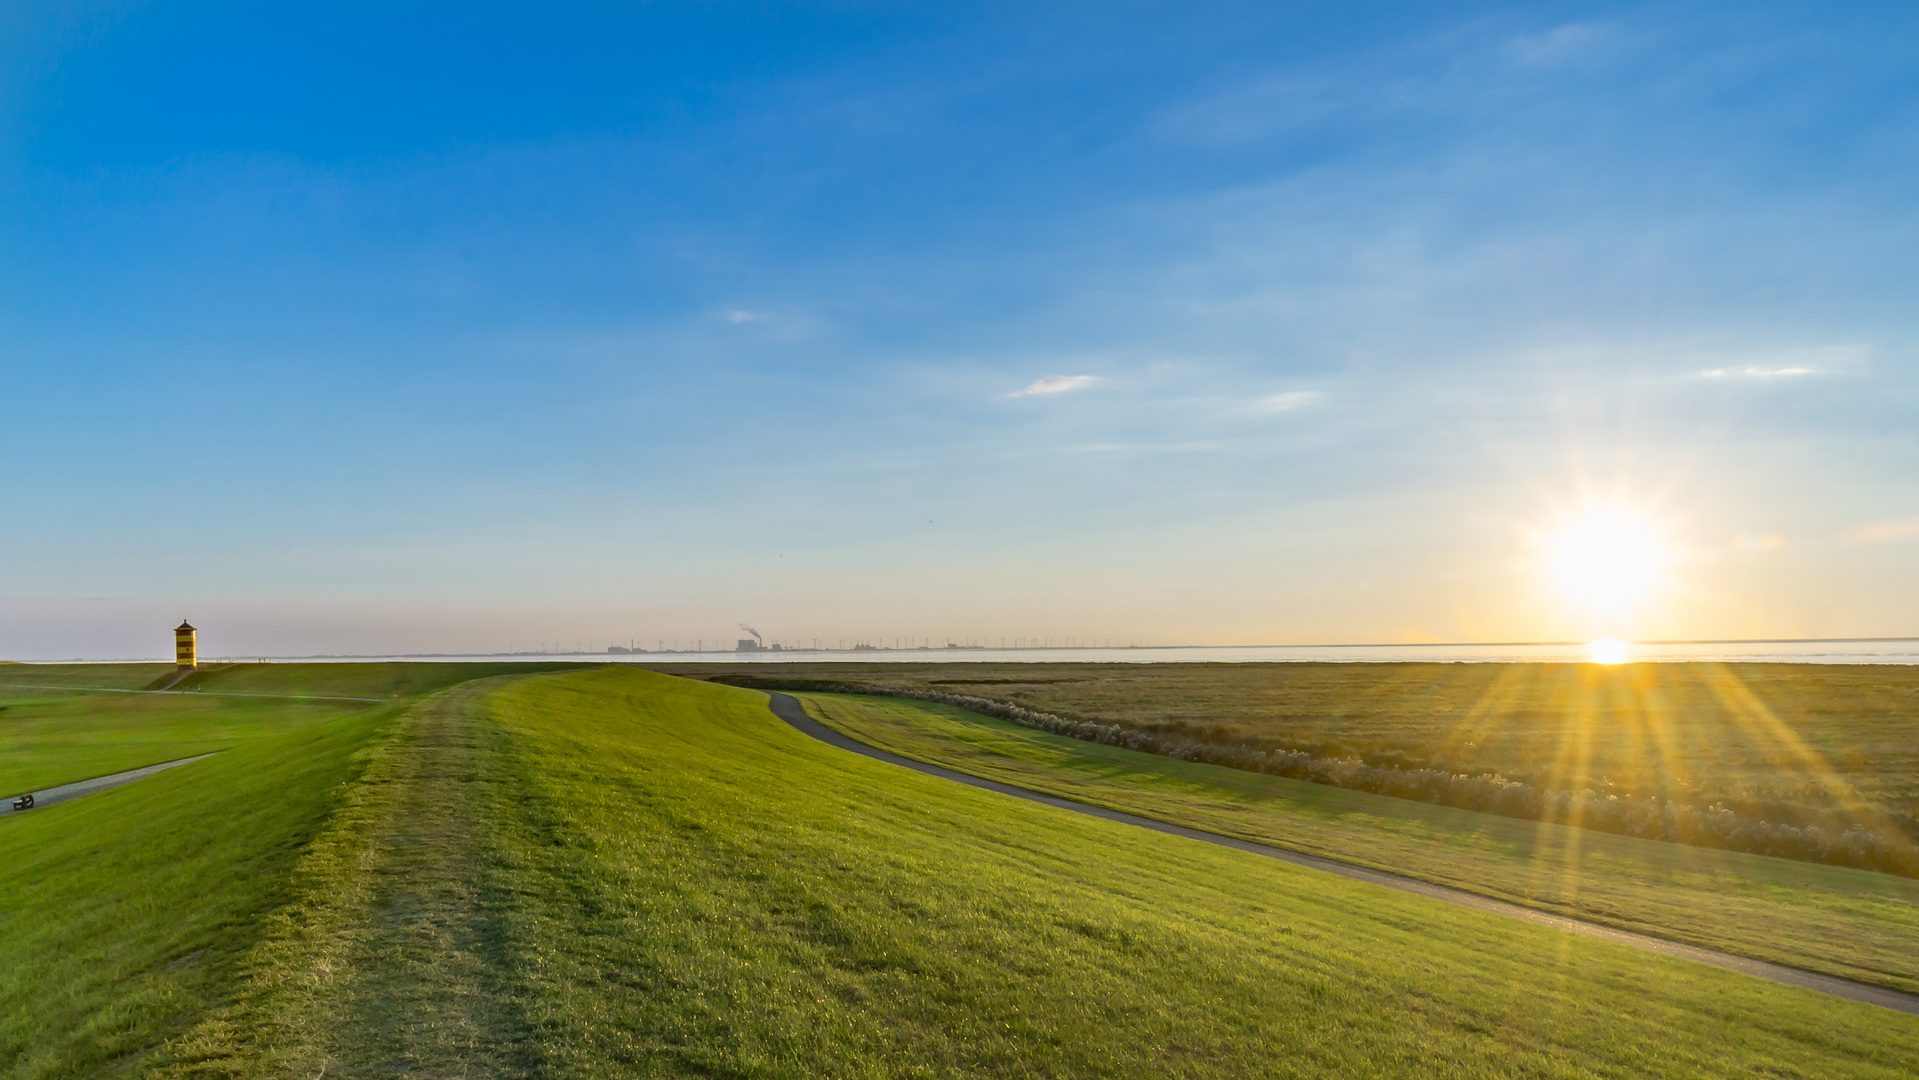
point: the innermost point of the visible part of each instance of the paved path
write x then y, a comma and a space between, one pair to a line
78, 788
788, 709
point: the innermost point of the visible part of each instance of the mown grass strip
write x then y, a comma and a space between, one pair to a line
387, 960
128, 912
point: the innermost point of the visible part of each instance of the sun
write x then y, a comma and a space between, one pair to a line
1607, 651
1607, 563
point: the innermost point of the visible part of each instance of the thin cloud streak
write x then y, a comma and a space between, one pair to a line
1055, 384
1758, 373
1554, 46
1290, 401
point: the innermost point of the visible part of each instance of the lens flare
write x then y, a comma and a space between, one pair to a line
1607, 651
1608, 563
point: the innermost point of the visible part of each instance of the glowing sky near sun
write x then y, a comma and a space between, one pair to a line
360, 328
1609, 564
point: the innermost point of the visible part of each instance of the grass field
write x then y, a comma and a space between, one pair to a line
1830, 745
126, 912
613, 873
382, 680
1852, 923
109, 676
49, 737
669, 882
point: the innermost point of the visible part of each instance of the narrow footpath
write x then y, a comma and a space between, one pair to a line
48, 796
426, 992
788, 709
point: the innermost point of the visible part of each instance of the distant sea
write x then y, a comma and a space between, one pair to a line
1827, 651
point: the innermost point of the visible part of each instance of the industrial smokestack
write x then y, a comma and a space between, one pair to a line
756, 634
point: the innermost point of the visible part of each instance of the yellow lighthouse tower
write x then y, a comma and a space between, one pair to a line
185, 654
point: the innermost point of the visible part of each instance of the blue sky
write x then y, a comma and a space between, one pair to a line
364, 327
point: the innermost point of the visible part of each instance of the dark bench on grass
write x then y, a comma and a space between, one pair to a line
24, 802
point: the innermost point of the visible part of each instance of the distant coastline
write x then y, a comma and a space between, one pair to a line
1895, 650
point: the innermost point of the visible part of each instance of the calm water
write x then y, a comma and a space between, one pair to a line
1881, 651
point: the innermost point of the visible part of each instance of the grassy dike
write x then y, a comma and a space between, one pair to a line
644, 876
129, 916
126, 913
617, 873
1852, 923
387, 960
52, 737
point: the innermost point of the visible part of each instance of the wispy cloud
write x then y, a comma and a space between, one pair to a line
1286, 402
738, 315
1757, 373
1553, 47
1791, 363
1250, 112
1203, 446
1896, 531
1055, 384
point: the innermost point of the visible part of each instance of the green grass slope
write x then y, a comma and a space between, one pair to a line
385, 679
614, 873
56, 737
51, 737
1851, 923
113, 676
695, 889
126, 912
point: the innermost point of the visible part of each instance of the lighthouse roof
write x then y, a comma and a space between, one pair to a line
184, 625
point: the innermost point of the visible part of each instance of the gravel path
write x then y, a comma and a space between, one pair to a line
52, 795
788, 709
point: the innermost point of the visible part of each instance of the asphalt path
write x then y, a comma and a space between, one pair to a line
48, 796
788, 709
